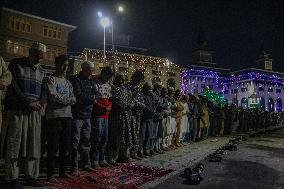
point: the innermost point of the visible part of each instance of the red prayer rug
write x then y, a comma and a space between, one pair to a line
123, 176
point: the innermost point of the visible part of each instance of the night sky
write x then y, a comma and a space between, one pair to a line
236, 30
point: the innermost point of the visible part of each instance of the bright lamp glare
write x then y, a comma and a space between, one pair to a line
100, 14
120, 9
105, 22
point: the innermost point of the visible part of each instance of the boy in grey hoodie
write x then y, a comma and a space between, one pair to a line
60, 97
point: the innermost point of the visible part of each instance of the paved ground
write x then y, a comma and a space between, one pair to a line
258, 164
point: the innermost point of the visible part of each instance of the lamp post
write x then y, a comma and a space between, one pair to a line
108, 22
105, 22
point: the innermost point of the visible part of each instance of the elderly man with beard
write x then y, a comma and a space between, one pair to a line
22, 117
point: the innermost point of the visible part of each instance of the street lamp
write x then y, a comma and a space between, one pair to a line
120, 8
100, 14
105, 22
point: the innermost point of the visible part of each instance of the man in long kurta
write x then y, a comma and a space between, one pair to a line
5, 80
119, 138
134, 124
22, 117
178, 116
204, 119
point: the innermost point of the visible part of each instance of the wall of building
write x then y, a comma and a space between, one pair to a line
155, 68
19, 30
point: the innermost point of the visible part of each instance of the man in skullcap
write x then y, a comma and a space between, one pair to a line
86, 93
22, 117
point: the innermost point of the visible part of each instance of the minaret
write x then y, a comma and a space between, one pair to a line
265, 61
202, 54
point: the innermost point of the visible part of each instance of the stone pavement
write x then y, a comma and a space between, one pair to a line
257, 164
183, 157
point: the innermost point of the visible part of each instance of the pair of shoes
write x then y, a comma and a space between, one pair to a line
33, 182
104, 164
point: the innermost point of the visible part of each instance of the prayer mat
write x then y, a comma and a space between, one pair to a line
123, 176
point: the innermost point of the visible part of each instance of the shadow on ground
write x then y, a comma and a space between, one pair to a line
273, 151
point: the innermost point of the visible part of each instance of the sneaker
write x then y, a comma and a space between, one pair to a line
34, 183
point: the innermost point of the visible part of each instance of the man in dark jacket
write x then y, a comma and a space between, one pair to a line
86, 93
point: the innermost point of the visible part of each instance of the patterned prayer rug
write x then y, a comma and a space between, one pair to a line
123, 176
